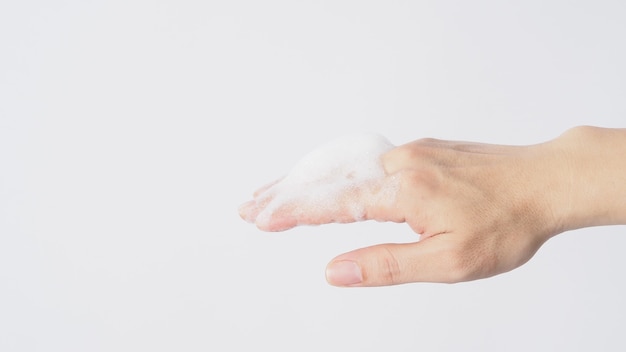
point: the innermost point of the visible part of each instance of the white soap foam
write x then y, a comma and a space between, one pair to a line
320, 181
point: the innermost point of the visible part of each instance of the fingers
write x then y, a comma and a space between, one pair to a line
262, 190
283, 210
436, 259
248, 211
262, 197
416, 154
281, 207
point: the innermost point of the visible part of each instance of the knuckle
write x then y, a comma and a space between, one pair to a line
421, 153
408, 178
579, 131
425, 180
398, 158
389, 267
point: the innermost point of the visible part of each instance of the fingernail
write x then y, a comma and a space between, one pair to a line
344, 273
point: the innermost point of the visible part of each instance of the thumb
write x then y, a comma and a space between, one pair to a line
435, 259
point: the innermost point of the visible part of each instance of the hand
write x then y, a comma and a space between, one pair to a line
481, 209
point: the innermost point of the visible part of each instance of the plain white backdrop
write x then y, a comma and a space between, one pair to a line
130, 131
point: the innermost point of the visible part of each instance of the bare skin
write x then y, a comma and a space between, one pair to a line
481, 209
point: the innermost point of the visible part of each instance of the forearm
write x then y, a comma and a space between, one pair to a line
594, 189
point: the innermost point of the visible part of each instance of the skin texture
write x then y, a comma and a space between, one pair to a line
480, 209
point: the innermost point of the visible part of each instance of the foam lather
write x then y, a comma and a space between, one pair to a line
329, 184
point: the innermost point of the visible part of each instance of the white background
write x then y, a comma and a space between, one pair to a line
130, 131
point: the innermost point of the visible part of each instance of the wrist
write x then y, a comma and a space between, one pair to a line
592, 163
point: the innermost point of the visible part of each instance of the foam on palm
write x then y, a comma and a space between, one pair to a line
331, 180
